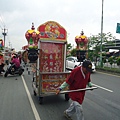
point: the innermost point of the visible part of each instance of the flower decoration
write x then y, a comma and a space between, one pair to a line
81, 41
32, 37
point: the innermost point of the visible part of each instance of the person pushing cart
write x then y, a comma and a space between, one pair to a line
77, 80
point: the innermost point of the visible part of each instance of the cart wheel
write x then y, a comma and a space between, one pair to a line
28, 72
67, 97
40, 100
6, 74
34, 93
33, 79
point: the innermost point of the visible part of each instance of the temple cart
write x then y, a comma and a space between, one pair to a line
51, 63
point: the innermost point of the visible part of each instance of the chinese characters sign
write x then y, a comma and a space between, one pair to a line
52, 30
52, 81
51, 57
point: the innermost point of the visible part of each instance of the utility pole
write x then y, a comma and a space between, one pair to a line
101, 62
4, 34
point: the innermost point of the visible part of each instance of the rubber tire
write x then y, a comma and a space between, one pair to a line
34, 93
21, 72
40, 100
28, 72
33, 79
6, 74
67, 97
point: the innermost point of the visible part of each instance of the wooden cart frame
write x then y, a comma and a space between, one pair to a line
51, 64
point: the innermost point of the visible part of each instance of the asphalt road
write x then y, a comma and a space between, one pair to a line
17, 101
14, 104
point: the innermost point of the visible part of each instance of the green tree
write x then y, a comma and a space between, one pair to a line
104, 57
118, 61
111, 60
69, 47
73, 52
95, 43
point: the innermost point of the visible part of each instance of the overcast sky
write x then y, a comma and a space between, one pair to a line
73, 15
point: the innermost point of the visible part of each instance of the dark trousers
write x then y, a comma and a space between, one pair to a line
2, 67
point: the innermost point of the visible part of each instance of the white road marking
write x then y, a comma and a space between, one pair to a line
108, 74
102, 88
37, 117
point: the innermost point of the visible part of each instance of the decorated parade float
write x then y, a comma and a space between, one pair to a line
82, 43
46, 51
30, 51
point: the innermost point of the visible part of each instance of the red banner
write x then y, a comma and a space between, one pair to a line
52, 81
51, 57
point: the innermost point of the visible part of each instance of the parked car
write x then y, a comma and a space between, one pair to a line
72, 62
93, 67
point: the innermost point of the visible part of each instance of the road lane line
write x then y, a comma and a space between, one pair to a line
37, 117
108, 74
102, 88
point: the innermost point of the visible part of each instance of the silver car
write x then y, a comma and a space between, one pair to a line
72, 62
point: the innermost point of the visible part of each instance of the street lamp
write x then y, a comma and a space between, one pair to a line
4, 34
101, 63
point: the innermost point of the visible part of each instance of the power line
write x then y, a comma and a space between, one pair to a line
1, 26
2, 22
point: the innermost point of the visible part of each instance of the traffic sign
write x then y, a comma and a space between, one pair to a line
118, 28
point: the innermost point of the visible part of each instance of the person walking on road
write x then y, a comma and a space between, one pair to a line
1, 63
15, 61
79, 78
